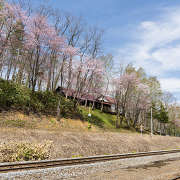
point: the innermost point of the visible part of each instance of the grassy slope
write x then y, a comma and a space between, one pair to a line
13, 96
99, 119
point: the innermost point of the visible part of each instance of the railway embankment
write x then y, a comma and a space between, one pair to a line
77, 143
70, 138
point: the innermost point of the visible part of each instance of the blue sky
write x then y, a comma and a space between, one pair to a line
145, 32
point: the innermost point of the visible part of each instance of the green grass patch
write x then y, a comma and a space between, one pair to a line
100, 119
78, 156
54, 122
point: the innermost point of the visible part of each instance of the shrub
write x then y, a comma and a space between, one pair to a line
24, 151
68, 110
45, 101
12, 94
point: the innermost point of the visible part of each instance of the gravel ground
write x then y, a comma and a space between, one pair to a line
146, 168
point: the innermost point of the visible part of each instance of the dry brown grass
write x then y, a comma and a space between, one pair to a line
71, 138
19, 119
24, 151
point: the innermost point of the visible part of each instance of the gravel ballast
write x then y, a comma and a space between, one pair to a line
151, 167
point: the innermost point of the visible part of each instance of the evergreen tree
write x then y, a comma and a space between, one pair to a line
163, 115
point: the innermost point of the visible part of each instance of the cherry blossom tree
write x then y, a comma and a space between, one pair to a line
88, 72
174, 129
66, 77
37, 52
41, 38
12, 19
123, 89
108, 65
176, 122
96, 79
140, 101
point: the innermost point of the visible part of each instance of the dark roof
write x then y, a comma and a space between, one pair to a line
86, 96
110, 99
71, 92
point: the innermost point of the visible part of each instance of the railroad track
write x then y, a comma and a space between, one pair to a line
176, 178
4, 168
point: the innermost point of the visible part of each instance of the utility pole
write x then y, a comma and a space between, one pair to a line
151, 124
89, 114
141, 136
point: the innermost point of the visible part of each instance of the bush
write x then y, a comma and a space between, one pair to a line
45, 101
69, 111
12, 94
24, 151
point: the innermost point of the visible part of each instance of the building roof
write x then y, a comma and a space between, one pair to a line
87, 96
109, 99
71, 92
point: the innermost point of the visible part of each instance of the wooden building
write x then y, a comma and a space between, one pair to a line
109, 104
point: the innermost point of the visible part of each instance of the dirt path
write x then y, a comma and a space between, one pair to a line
167, 171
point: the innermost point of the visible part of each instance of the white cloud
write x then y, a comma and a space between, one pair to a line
156, 44
170, 84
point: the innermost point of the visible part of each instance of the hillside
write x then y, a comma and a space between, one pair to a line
37, 134
71, 138
67, 144
15, 101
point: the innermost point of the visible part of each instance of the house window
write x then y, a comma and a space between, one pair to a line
113, 106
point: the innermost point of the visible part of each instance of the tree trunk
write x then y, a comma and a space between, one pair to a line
139, 120
58, 108
14, 72
102, 105
160, 128
49, 74
86, 103
144, 120
136, 119
117, 126
93, 104
9, 70
164, 129
128, 119
157, 126
39, 84
117, 115
121, 118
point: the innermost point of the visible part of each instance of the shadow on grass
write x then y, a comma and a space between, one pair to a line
107, 116
95, 120
111, 120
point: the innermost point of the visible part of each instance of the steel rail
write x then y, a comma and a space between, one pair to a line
76, 161
176, 178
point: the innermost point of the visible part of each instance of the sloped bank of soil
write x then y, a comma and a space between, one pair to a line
89, 143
